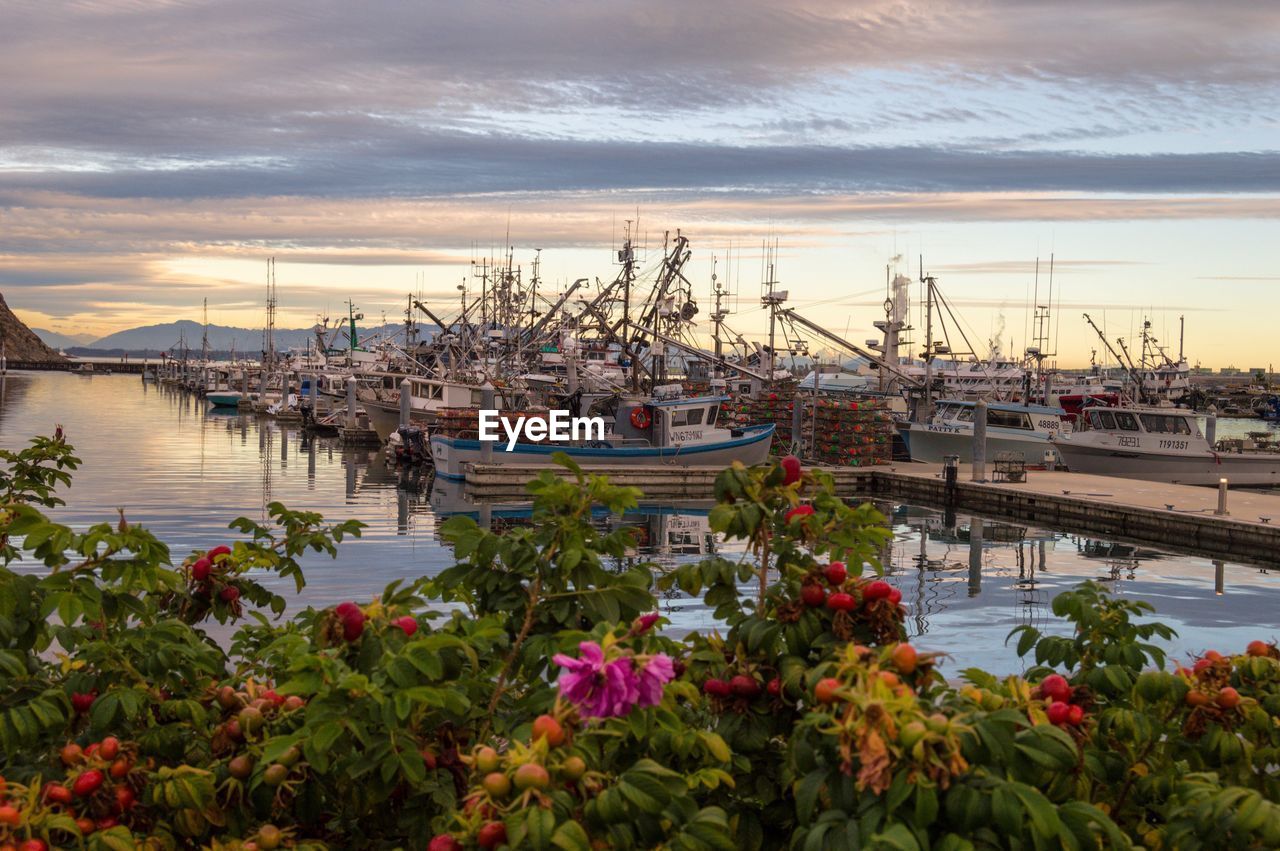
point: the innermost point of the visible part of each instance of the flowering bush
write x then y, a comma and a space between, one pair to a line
528, 697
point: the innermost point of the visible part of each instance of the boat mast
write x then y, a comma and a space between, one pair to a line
773, 299
204, 339
717, 315
352, 339
269, 333
928, 281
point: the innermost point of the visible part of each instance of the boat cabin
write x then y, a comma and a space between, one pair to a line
668, 422
1151, 422
1016, 417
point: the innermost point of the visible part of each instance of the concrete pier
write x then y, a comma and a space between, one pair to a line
1172, 515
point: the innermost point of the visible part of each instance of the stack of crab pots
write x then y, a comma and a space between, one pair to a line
850, 431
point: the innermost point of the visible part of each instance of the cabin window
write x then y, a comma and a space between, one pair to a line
1125, 421
1104, 420
687, 417
1164, 424
965, 415
1008, 419
711, 415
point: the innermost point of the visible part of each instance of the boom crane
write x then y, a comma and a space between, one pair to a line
791, 314
1125, 361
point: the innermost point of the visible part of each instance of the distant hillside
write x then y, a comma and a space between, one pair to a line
166, 337
63, 341
20, 342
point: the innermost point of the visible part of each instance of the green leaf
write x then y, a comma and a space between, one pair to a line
571, 837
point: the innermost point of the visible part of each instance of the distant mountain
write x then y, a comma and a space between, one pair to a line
63, 341
166, 337
20, 342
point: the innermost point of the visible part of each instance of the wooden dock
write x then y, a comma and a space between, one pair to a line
1174, 515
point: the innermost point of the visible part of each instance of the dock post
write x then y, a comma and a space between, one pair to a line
1219, 579
975, 556
1222, 498
262, 386
244, 383
406, 402
1211, 428
351, 402
486, 404
314, 389
950, 473
979, 465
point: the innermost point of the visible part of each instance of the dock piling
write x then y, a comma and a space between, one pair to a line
979, 466
486, 403
406, 402
1211, 428
975, 556
351, 402
1222, 498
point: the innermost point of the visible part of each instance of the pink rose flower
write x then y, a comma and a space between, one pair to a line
600, 689
657, 672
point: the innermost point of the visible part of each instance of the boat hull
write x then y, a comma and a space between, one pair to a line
451, 455
384, 419
932, 445
1240, 469
221, 399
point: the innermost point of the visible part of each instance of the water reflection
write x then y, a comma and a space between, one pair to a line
185, 470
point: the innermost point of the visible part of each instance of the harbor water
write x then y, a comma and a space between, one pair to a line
185, 470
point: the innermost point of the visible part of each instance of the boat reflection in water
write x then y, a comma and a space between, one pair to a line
967, 581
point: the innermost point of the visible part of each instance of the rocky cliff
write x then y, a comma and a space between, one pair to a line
20, 342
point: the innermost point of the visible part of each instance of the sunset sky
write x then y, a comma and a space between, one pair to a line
152, 154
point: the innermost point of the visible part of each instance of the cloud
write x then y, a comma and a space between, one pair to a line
426, 164
347, 138
1028, 267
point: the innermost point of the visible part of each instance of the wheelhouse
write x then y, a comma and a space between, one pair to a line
1015, 417
1150, 422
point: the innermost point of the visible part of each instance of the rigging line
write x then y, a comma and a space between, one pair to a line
942, 299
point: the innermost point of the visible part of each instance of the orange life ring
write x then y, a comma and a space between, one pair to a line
640, 418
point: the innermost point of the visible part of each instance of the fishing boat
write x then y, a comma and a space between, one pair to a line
1163, 445
379, 394
679, 432
1025, 429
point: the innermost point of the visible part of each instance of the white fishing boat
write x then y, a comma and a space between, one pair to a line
1025, 429
678, 432
1162, 445
379, 394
